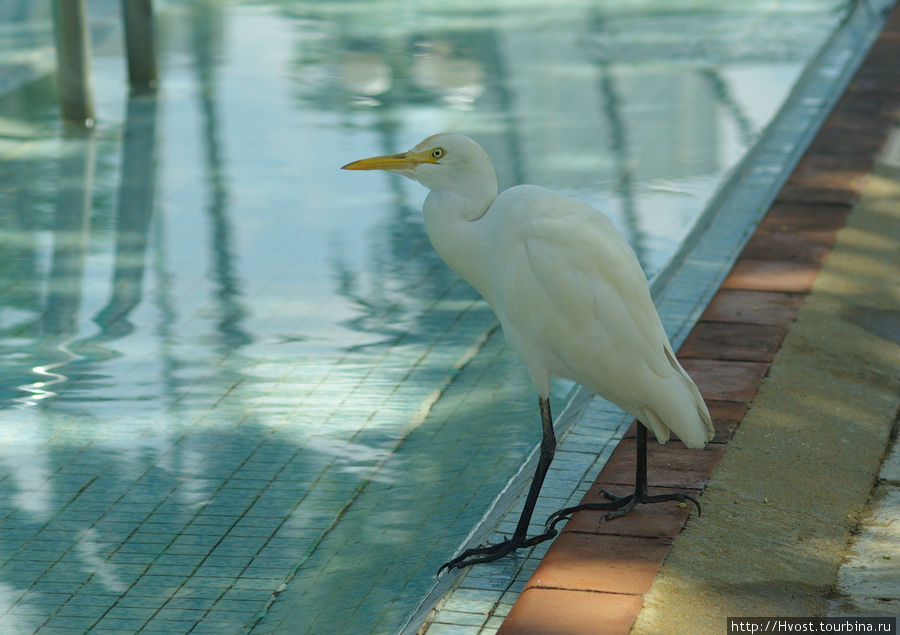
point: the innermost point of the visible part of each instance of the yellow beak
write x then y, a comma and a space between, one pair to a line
402, 161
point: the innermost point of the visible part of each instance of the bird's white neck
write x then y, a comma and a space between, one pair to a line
451, 220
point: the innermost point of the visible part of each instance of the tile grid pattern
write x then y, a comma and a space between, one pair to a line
211, 570
728, 352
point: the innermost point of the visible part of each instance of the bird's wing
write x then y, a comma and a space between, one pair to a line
571, 295
572, 255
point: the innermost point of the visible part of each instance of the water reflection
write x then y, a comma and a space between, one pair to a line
134, 212
551, 107
57, 324
70, 238
205, 32
219, 358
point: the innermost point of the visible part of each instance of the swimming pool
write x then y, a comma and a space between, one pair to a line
239, 390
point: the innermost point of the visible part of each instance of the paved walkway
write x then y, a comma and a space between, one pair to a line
798, 356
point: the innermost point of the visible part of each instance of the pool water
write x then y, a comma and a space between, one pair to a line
232, 375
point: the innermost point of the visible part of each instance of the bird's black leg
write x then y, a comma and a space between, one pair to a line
621, 505
519, 538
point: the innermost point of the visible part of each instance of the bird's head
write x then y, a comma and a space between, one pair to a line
440, 162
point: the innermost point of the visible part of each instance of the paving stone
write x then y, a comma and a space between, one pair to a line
652, 520
821, 191
598, 562
772, 275
726, 416
839, 136
753, 307
733, 341
725, 380
790, 245
671, 465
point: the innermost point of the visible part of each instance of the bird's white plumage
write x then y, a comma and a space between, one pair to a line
567, 288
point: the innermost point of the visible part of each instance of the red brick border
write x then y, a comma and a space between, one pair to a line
594, 575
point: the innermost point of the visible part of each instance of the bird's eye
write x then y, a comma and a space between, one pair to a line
437, 153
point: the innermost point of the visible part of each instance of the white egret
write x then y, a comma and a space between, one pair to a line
572, 300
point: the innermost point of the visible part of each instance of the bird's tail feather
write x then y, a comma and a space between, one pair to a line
686, 414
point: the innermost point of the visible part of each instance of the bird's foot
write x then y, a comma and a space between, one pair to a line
618, 505
489, 553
